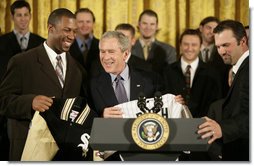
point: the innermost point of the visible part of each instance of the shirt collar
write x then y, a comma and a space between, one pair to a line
142, 42
19, 36
124, 74
87, 41
210, 47
193, 64
52, 54
240, 61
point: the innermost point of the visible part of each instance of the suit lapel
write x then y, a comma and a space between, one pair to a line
46, 65
245, 62
14, 43
106, 90
136, 85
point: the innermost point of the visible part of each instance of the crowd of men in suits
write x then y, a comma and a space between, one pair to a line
88, 67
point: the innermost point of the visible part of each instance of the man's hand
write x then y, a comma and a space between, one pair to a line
179, 99
210, 129
41, 103
112, 112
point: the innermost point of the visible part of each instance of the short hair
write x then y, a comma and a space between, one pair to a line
56, 15
193, 32
127, 27
209, 19
236, 27
19, 4
121, 38
85, 10
149, 12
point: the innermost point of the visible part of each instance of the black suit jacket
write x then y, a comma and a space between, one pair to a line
217, 63
9, 47
205, 87
235, 117
102, 91
92, 55
160, 54
29, 74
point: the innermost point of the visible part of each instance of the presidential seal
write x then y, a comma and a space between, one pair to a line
150, 131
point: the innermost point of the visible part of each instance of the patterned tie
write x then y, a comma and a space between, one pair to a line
59, 69
120, 90
146, 51
23, 43
206, 53
187, 83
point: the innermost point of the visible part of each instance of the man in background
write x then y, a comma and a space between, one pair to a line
85, 48
209, 53
147, 47
20, 39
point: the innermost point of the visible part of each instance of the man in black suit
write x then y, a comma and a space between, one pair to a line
209, 53
35, 77
204, 87
10, 45
147, 47
233, 128
85, 49
114, 50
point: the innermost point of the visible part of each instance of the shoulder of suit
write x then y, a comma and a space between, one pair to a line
38, 37
163, 44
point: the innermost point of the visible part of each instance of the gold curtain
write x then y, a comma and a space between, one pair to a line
174, 15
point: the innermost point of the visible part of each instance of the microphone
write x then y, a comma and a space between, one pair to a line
142, 102
158, 103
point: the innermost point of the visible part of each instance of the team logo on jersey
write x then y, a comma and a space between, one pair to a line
150, 131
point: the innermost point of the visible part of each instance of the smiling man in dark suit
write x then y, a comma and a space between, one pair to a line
114, 50
233, 128
32, 81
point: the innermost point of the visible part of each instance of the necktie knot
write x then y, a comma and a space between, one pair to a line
188, 69
58, 58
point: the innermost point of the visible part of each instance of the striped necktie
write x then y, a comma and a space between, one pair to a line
188, 83
59, 69
120, 90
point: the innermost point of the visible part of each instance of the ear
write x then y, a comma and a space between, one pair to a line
200, 28
50, 28
126, 54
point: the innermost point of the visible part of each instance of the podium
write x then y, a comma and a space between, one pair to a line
115, 134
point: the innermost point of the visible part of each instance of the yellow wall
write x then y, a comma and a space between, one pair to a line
174, 15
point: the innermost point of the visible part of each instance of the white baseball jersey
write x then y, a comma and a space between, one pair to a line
170, 108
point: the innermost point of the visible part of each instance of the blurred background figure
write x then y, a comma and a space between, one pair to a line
85, 48
147, 47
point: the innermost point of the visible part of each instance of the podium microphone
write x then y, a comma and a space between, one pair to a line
158, 103
142, 102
